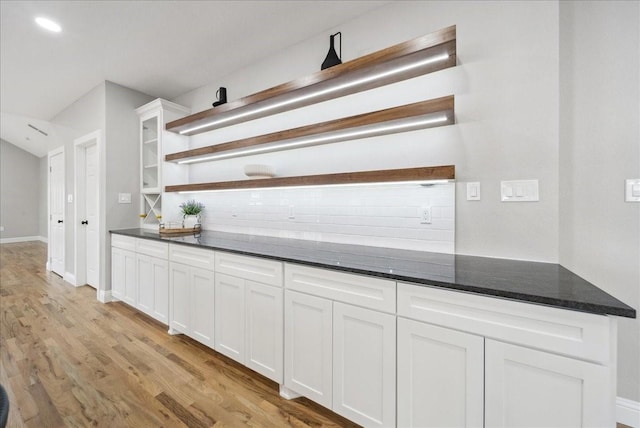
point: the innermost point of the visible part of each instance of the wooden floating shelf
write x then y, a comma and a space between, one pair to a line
379, 176
423, 55
424, 114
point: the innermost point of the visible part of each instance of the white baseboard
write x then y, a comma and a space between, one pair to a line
70, 278
48, 266
104, 296
628, 412
43, 239
20, 239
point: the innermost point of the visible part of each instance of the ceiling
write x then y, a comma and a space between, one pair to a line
162, 48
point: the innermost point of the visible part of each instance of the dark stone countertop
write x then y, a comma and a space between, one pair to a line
531, 282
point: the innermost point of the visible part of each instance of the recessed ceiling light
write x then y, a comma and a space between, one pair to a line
48, 24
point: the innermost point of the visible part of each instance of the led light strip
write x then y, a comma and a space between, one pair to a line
381, 183
323, 139
367, 79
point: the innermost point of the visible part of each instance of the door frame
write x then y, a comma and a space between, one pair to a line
50, 154
80, 251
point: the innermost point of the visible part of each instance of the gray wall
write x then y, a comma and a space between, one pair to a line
19, 192
85, 115
43, 198
599, 149
120, 166
524, 110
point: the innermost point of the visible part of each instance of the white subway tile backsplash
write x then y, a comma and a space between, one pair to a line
385, 216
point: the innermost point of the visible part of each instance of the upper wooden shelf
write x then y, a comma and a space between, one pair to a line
423, 55
420, 115
365, 177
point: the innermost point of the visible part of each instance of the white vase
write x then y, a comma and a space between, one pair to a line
190, 221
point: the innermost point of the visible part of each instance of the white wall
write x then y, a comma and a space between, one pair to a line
19, 192
507, 88
506, 105
600, 148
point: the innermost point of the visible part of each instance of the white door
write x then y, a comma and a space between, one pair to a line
56, 212
264, 335
91, 216
229, 316
530, 388
364, 365
440, 376
308, 350
160, 270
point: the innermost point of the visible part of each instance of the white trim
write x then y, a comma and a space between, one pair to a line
47, 266
79, 250
104, 296
628, 412
70, 278
20, 239
43, 239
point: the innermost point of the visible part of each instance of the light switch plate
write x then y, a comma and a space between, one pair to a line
632, 190
473, 191
519, 191
124, 198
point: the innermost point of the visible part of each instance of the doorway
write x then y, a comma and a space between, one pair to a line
55, 259
87, 225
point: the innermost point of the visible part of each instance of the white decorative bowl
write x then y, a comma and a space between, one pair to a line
259, 171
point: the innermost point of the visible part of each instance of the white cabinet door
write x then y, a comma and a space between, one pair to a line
230, 316
160, 275
526, 388
364, 365
145, 284
180, 298
202, 305
308, 349
264, 330
123, 275
117, 273
440, 376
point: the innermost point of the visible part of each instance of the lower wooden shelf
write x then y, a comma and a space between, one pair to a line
419, 174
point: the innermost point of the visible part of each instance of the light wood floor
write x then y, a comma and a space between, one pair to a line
68, 360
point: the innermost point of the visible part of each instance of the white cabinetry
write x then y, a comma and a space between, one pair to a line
308, 357
153, 279
154, 143
139, 275
248, 313
440, 376
340, 355
364, 365
123, 269
191, 293
526, 387
543, 366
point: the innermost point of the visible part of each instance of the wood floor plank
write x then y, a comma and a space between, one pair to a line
68, 360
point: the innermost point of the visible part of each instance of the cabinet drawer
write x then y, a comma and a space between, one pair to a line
251, 268
556, 330
124, 242
197, 257
152, 248
365, 291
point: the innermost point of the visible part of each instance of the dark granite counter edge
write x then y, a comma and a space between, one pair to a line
597, 309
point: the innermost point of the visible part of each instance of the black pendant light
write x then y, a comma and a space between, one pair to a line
332, 57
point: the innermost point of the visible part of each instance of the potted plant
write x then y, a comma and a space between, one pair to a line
191, 213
